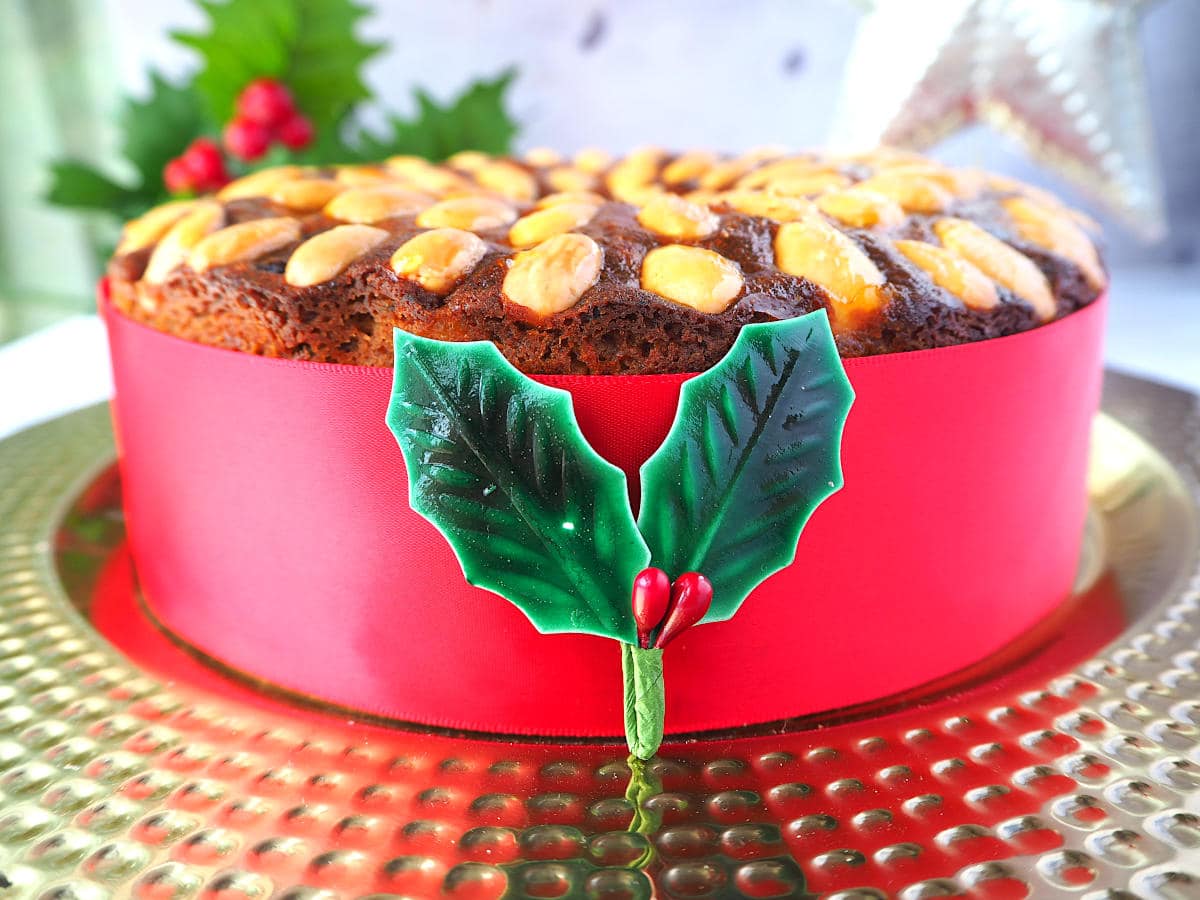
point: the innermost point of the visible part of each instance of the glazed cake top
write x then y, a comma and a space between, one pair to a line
641, 264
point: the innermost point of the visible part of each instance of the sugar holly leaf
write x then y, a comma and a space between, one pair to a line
309, 45
477, 119
497, 463
753, 451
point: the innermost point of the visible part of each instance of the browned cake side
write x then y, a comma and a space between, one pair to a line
649, 264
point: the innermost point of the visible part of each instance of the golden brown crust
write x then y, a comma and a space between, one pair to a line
646, 264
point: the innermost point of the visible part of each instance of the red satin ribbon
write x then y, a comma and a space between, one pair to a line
268, 515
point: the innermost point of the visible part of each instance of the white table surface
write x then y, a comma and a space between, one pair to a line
1153, 330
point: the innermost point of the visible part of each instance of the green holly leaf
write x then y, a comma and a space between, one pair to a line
80, 186
158, 128
477, 119
498, 464
753, 451
309, 45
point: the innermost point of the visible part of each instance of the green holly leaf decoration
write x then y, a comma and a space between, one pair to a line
309, 45
498, 464
753, 451
477, 119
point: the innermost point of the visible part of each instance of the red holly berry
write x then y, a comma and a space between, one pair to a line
178, 177
296, 133
266, 102
203, 158
691, 596
247, 140
651, 596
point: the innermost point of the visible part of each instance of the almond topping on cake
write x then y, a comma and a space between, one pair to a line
363, 176
566, 178
592, 160
692, 276
546, 223
815, 250
327, 254
306, 194
861, 208
260, 183
543, 157
585, 197
468, 213
914, 193
172, 251
365, 205
145, 230
669, 215
439, 259
725, 173
553, 275
508, 179
238, 243
952, 273
1048, 228
770, 206
808, 185
1000, 262
688, 167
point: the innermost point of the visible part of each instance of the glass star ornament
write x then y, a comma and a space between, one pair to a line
1063, 77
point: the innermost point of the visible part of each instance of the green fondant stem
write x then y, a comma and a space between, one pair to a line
645, 703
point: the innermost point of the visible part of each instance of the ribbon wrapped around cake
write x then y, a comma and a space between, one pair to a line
268, 517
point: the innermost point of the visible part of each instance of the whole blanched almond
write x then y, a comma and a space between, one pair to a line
468, 214
366, 205
149, 227
306, 194
1057, 232
768, 205
814, 249
692, 276
553, 275
245, 241
952, 273
544, 224
861, 208
507, 179
669, 215
326, 255
439, 259
172, 251
261, 183
914, 192
1000, 262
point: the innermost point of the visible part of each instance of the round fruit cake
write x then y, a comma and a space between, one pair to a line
267, 502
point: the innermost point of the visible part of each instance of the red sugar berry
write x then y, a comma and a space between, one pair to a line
691, 596
247, 140
266, 102
206, 163
651, 596
296, 133
178, 177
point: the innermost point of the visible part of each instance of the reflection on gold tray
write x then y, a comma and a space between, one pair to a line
1053, 772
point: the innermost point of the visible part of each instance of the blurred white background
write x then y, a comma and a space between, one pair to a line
620, 73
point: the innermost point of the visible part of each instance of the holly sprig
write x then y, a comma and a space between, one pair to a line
192, 135
498, 464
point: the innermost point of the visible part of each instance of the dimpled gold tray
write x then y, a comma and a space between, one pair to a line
1069, 768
